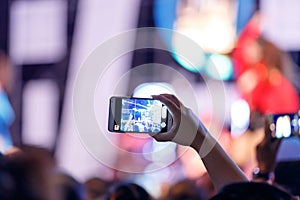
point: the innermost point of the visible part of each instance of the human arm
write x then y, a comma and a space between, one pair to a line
266, 152
188, 130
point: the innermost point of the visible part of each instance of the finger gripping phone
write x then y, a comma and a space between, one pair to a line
138, 115
285, 125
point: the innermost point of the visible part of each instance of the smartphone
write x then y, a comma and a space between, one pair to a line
138, 115
285, 125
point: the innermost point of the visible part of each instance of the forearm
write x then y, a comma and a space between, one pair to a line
188, 130
220, 167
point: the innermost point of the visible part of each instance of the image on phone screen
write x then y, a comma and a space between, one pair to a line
286, 125
138, 115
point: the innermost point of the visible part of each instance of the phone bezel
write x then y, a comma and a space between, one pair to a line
115, 109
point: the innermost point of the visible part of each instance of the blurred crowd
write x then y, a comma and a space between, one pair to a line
31, 173
265, 79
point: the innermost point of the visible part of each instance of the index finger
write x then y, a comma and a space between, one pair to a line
170, 103
268, 129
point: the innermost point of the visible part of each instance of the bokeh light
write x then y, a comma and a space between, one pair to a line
145, 90
219, 67
202, 22
240, 117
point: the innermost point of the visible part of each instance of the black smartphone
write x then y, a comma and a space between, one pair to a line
138, 115
284, 125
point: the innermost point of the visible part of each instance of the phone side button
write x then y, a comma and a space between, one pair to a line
164, 112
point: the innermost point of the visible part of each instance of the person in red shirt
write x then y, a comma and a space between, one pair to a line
259, 71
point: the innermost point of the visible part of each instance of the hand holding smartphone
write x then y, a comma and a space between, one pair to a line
138, 115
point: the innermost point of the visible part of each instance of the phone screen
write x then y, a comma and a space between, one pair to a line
286, 125
138, 115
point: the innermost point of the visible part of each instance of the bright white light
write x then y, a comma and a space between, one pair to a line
210, 25
38, 31
240, 117
145, 90
219, 67
158, 152
272, 23
163, 152
39, 113
283, 126
196, 60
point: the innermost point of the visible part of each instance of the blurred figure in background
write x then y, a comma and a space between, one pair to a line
260, 71
283, 174
31, 174
95, 188
127, 191
266, 80
69, 188
287, 175
6, 111
28, 174
251, 191
187, 189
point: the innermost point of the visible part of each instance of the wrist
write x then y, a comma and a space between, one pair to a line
264, 168
259, 174
200, 137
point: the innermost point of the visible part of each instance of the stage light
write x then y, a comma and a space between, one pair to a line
219, 67
38, 33
210, 25
145, 90
240, 117
196, 60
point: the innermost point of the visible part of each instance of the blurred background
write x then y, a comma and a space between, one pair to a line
251, 46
